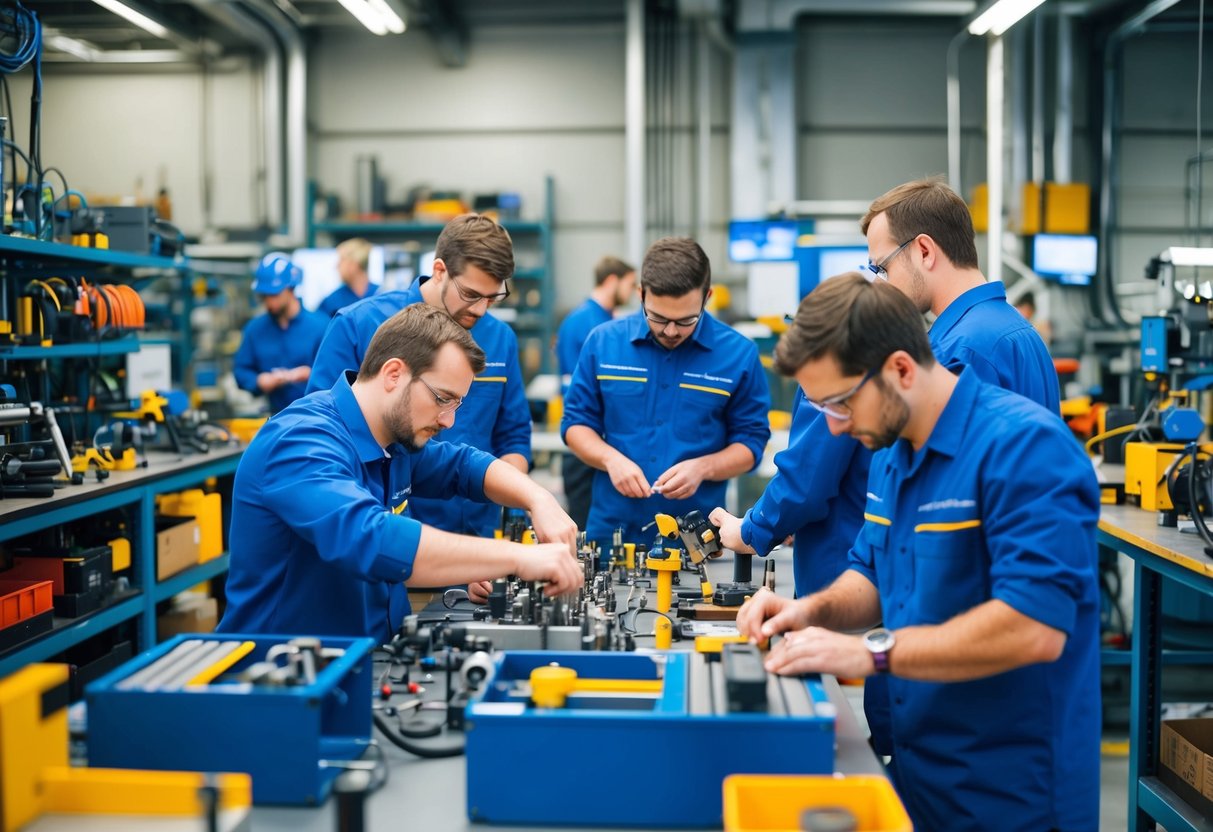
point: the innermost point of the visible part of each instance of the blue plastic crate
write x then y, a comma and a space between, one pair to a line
279, 735
637, 761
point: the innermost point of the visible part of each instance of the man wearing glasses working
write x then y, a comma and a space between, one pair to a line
321, 543
474, 259
667, 404
921, 240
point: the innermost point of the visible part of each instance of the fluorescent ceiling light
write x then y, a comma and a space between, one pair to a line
1188, 256
78, 48
394, 22
141, 20
999, 16
366, 15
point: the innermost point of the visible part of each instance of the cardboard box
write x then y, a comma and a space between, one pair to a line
193, 614
177, 545
1186, 761
207, 509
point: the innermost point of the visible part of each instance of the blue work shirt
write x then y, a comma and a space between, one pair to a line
320, 543
570, 338
494, 417
1000, 503
818, 494
658, 407
342, 297
981, 330
266, 346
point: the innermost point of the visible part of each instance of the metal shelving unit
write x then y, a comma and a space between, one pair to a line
533, 321
135, 490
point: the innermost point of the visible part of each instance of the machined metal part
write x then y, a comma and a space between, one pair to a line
526, 636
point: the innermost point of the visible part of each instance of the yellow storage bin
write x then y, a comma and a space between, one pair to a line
207, 509
245, 429
776, 801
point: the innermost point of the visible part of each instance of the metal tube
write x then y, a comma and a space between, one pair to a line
634, 127
953, 60
1063, 115
994, 154
1038, 100
703, 162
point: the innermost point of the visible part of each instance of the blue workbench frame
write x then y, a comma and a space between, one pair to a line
1150, 801
165, 473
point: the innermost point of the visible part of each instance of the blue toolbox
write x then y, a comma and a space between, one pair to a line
548, 729
275, 707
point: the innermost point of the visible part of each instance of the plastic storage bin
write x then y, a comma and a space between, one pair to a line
755, 802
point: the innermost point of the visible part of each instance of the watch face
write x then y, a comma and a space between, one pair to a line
879, 640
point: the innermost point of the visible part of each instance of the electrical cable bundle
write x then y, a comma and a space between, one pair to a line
71, 309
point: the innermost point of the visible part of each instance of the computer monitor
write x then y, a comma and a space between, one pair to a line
819, 262
752, 241
1071, 259
320, 277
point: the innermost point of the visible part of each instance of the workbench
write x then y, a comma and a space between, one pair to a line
137, 489
1159, 553
431, 794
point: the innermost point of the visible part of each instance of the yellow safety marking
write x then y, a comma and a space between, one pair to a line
877, 519
947, 527
214, 671
400, 508
641, 379
715, 390
498, 379
1114, 748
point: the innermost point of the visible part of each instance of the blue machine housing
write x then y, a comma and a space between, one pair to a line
665, 763
278, 735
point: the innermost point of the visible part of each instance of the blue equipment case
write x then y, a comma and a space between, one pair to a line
279, 735
665, 756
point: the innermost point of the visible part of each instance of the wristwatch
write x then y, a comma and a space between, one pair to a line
879, 642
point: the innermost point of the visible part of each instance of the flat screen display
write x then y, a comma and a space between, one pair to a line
753, 241
1067, 258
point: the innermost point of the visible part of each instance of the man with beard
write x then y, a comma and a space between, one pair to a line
614, 285
984, 574
474, 259
921, 240
320, 541
277, 349
667, 404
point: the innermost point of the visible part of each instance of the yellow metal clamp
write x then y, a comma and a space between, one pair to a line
551, 685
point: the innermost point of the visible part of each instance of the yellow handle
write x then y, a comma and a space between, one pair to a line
551, 685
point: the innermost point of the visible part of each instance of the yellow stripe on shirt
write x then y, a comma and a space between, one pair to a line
715, 390
877, 519
947, 527
498, 379
641, 379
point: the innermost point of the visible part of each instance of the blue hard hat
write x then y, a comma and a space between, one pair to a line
275, 273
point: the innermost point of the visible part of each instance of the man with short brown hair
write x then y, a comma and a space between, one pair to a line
322, 544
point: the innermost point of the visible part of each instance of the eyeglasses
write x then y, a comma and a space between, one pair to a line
879, 269
446, 404
836, 407
662, 323
475, 297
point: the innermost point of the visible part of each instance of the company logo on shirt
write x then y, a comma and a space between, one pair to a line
606, 366
940, 505
707, 377
404, 492
875, 498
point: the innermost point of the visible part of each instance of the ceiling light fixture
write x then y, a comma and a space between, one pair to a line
70, 46
1001, 15
138, 18
366, 15
394, 23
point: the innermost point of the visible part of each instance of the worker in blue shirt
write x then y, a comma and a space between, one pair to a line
352, 258
666, 404
977, 552
819, 487
277, 348
614, 285
817, 493
474, 260
323, 545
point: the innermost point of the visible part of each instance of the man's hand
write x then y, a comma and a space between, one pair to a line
478, 591
767, 614
553, 525
818, 650
549, 562
627, 477
682, 479
730, 531
270, 381
299, 374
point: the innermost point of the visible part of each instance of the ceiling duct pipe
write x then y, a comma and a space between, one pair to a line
237, 20
293, 47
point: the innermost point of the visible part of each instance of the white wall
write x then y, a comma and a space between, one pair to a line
108, 131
